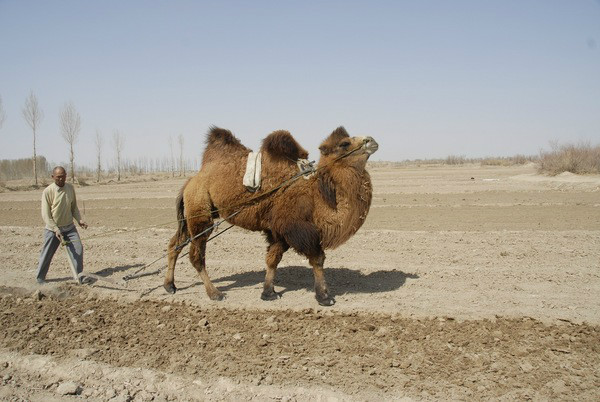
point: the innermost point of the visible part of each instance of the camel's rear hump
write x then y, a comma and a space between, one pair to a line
221, 143
219, 136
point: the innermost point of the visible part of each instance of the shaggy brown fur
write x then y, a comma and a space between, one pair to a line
307, 215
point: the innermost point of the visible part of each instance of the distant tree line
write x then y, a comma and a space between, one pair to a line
142, 165
70, 127
16, 169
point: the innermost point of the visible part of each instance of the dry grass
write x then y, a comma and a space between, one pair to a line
88, 180
508, 160
579, 159
458, 160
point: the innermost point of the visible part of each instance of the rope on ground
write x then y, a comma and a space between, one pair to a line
179, 247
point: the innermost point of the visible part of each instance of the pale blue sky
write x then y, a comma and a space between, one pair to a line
425, 78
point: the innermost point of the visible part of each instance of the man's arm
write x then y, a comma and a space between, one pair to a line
75, 211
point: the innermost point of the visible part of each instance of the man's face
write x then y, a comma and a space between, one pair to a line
59, 176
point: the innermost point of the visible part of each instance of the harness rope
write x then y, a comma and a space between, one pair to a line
135, 274
309, 171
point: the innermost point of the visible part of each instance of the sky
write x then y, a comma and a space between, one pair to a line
426, 79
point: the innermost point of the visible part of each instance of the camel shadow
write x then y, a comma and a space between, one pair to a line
340, 280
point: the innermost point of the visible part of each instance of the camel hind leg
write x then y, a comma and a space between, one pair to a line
198, 260
195, 216
173, 253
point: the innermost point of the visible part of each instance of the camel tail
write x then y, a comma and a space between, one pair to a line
181, 221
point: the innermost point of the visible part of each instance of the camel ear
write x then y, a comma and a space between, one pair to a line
327, 190
339, 133
330, 142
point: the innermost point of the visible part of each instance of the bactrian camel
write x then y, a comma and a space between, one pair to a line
308, 215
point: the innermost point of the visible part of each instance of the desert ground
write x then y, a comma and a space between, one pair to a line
465, 282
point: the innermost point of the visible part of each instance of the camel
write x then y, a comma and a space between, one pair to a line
310, 214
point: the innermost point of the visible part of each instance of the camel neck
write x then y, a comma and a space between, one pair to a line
353, 192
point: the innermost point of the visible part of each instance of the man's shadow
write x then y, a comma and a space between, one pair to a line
106, 272
61, 279
340, 280
102, 278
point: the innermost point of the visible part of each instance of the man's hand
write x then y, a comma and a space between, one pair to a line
58, 235
83, 224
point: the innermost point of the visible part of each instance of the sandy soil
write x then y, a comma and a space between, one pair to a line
464, 283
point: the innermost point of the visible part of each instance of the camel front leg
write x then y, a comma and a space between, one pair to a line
274, 255
321, 291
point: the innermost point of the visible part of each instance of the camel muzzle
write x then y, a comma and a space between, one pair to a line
370, 145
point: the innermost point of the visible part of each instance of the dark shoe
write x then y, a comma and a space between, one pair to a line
85, 280
41, 281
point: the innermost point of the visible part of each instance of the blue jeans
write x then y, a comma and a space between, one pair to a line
74, 249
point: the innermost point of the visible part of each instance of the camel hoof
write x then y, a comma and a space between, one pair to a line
170, 288
325, 301
270, 296
217, 296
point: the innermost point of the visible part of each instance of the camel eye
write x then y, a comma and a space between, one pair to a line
345, 144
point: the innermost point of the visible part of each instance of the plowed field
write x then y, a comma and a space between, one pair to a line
464, 283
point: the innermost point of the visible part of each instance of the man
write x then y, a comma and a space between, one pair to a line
59, 208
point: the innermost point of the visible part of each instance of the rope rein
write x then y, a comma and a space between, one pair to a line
309, 170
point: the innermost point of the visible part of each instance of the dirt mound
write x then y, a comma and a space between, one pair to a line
567, 175
364, 355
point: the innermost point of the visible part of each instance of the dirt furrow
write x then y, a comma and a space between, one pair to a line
354, 352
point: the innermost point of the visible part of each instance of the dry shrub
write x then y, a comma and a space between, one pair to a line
507, 160
579, 159
521, 159
489, 161
455, 160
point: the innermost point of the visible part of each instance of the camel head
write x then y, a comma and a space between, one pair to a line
339, 147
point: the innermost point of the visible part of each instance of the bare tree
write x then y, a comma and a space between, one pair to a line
118, 140
98, 143
172, 158
70, 125
181, 166
33, 115
2, 114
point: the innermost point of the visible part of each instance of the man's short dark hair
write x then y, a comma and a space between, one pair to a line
58, 168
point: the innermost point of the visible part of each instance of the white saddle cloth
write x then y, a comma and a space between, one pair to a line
253, 169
